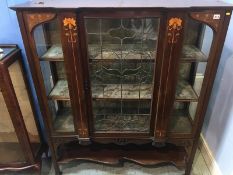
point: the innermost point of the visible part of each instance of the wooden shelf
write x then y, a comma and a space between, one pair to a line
185, 92
190, 53
133, 123
180, 122
64, 121
60, 91
128, 91
113, 154
115, 52
54, 53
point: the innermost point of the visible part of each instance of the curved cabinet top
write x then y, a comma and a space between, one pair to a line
73, 4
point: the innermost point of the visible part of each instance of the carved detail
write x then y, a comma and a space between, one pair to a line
34, 19
208, 18
70, 28
174, 27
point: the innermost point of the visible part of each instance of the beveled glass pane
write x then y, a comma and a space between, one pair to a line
194, 58
20, 89
10, 149
49, 50
121, 64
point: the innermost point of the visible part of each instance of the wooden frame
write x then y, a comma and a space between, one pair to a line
32, 160
64, 146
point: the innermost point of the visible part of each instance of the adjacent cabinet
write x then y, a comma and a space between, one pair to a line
117, 83
21, 146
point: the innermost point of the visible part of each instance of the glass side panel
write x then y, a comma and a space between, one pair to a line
194, 58
49, 51
10, 149
121, 66
17, 80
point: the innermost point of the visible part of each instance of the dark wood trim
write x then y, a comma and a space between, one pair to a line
37, 79
73, 64
172, 51
85, 64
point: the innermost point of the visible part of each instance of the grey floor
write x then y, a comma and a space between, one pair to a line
75, 168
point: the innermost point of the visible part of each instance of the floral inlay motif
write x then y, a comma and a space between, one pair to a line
70, 27
174, 26
70, 22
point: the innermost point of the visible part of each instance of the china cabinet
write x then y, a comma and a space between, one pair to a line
120, 81
21, 146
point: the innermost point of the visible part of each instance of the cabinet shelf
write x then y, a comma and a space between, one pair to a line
60, 91
124, 91
137, 123
121, 52
125, 60
54, 53
185, 92
126, 55
191, 53
113, 154
128, 91
180, 122
64, 121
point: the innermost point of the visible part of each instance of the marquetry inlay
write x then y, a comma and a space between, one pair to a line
174, 27
70, 28
34, 19
209, 18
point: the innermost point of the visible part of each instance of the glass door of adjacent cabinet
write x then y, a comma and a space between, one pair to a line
192, 65
50, 53
122, 56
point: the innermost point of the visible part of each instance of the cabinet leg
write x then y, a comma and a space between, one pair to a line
54, 160
56, 168
191, 157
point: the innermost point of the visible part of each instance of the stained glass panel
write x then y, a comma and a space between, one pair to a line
121, 63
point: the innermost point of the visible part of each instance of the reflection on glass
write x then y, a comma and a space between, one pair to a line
193, 61
49, 51
121, 64
10, 149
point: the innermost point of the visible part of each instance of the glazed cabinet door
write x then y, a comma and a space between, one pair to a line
120, 54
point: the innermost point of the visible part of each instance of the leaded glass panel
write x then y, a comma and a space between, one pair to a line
121, 56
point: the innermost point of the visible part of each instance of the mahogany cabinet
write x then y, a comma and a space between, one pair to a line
118, 80
21, 146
